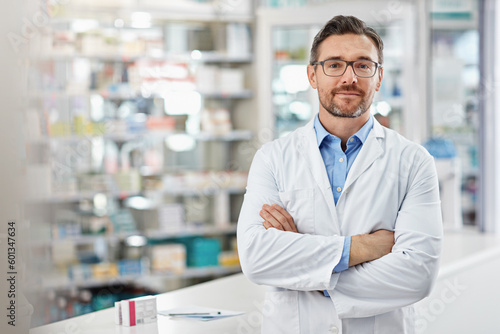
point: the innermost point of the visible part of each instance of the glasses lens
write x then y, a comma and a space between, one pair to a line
364, 68
334, 67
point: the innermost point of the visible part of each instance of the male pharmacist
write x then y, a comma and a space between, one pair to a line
341, 218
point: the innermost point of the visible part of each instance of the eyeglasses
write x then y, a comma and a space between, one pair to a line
337, 67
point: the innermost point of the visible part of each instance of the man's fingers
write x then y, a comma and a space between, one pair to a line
268, 225
286, 216
271, 220
277, 216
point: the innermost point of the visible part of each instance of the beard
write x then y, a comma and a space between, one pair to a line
328, 103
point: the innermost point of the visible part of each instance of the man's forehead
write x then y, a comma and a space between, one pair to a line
350, 45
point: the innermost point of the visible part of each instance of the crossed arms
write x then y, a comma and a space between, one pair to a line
364, 247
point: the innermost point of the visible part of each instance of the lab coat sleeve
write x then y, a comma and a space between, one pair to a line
407, 274
276, 258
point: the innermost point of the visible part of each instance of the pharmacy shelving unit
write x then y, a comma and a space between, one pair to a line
134, 100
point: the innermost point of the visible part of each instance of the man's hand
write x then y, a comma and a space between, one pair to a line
369, 247
277, 217
364, 247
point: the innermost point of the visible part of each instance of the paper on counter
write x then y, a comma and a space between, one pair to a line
198, 313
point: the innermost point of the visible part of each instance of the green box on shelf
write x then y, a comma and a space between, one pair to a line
203, 252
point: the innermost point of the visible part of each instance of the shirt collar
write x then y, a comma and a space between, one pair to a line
362, 133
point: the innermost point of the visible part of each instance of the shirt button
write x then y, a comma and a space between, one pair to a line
341, 160
351, 140
339, 189
334, 330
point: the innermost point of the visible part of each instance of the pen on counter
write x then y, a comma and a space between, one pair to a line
195, 313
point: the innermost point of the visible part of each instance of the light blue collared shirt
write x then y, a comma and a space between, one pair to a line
338, 163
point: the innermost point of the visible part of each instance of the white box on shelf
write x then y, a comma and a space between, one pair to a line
206, 79
231, 80
238, 39
170, 257
171, 217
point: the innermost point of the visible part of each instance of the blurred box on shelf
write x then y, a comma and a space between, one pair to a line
136, 123
66, 230
60, 129
96, 225
115, 127
203, 252
231, 80
238, 40
171, 217
123, 221
216, 121
105, 270
146, 218
63, 252
164, 123
238, 180
221, 210
206, 79
229, 258
128, 181
67, 186
93, 182
63, 43
211, 79
103, 301
133, 267
169, 257
80, 272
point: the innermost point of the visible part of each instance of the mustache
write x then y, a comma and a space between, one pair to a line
347, 88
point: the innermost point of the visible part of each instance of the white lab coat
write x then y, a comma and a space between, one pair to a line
391, 185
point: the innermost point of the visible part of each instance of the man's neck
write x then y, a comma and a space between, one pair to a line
342, 127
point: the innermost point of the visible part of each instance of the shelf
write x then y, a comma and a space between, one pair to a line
244, 94
202, 57
192, 272
202, 191
191, 231
64, 283
188, 231
235, 135
83, 195
178, 10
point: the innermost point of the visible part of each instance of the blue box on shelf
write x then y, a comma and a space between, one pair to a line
203, 252
130, 267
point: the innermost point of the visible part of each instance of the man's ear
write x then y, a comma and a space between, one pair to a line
380, 76
311, 75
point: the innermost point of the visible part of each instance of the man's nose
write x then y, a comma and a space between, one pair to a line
349, 77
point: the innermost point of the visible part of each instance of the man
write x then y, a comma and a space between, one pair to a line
341, 218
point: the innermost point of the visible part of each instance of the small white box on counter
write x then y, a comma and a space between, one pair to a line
136, 311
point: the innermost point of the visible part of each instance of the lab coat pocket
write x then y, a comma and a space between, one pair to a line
299, 204
281, 312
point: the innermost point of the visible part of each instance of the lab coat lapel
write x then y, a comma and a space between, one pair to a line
308, 148
371, 151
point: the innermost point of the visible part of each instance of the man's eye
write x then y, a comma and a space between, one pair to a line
334, 65
364, 66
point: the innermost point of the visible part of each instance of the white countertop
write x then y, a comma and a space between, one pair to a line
462, 249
